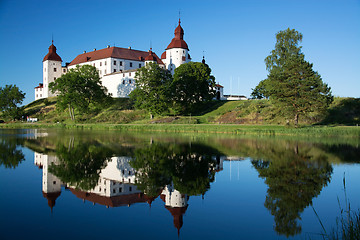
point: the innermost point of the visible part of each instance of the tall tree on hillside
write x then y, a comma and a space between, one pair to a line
79, 88
152, 89
193, 84
292, 83
10, 97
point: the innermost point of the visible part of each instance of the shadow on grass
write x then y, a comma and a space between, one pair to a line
345, 111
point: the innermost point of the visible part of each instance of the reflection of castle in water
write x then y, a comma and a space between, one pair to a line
116, 187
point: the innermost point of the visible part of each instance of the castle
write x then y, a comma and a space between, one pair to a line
117, 66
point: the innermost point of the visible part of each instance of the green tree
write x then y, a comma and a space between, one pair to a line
152, 89
10, 97
292, 84
78, 89
10, 155
294, 178
193, 84
80, 165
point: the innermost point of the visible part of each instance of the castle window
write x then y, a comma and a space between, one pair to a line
54, 69
139, 65
120, 63
40, 95
105, 71
54, 182
114, 190
123, 74
114, 62
64, 70
130, 189
114, 70
123, 83
130, 81
130, 74
36, 95
54, 78
131, 64
100, 64
100, 72
120, 189
105, 63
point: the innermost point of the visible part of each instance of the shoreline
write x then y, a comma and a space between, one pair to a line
237, 129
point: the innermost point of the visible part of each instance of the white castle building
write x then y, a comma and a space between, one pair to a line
117, 66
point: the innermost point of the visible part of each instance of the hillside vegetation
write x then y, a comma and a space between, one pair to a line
343, 111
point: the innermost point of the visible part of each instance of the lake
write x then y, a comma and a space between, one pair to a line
58, 184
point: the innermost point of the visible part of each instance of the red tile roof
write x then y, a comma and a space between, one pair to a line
178, 40
163, 55
150, 57
113, 52
40, 85
52, 55
115, 201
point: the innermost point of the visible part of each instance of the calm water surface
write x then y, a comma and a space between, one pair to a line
57, 184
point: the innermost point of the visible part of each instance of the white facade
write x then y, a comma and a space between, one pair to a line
173, 198
52, 71
50, 183
175, 57
119, 84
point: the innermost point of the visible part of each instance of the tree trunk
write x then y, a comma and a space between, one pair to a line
296, 119
151, 116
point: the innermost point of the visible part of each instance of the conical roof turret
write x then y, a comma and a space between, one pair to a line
178, 40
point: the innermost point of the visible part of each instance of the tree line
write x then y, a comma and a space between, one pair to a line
292, 85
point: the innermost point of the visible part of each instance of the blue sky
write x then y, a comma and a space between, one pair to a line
236, 36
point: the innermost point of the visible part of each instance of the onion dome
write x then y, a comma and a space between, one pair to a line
52, 55
178, 40
51, 197
177, 214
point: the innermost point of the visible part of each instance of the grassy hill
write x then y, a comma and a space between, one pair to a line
343, 111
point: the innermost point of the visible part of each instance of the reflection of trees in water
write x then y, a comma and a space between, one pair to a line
294, 179
80, 165
189, 167
10, 155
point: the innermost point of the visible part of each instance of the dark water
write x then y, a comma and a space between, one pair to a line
57, 184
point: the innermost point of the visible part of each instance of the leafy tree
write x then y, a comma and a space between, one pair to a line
292, 83
152, 89
10, 155
260, 91
10, 97
79, 88
80, 165
294, 178
193, 84
189, 168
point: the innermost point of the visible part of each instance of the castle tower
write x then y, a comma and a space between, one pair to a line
150, 57
177, 52
51, 70
51, 185
176, 203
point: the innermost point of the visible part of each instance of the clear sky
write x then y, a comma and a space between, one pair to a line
235, 36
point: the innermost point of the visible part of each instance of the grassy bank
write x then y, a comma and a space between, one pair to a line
258, 130
252, 117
